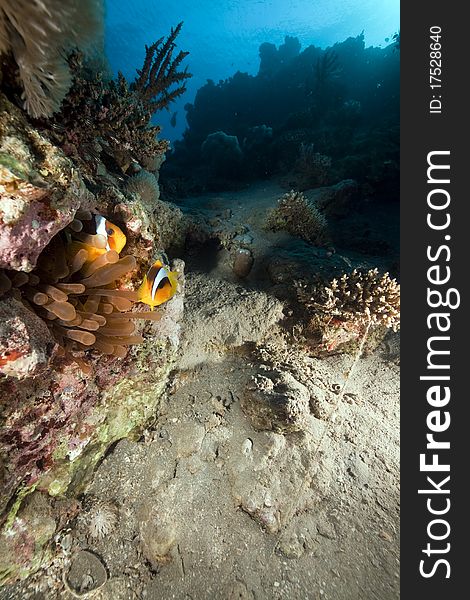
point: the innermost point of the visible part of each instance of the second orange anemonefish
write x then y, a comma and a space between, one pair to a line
113, 236
159, 285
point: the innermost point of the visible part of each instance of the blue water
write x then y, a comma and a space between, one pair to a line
223, 37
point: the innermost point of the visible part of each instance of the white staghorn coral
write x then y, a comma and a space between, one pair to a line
359, 297
38, 33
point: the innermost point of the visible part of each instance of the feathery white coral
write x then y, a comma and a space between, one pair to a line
38, 33
102, 519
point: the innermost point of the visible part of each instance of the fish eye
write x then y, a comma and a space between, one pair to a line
110, 231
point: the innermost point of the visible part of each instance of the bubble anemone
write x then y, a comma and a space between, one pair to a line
77, 293
102, 519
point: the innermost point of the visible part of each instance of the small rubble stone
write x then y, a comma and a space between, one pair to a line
290, 545
157, 536
86, 574
243, 262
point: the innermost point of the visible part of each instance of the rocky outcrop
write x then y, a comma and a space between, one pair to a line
56, 428
221, 316
62, 408
276, 402
26, 344
337, 200
40, 191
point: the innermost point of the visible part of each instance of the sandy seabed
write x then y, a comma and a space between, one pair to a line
209, 505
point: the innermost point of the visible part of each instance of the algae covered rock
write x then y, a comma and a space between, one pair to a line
160, 223
56, 428
40, 191
62, 404
26, 344
25, 535
60, 410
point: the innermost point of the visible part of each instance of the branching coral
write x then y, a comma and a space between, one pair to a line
363, 298
295, 214
327, 67
79, 296
160, 72
37, 33
350, 314
109, 121
105, 122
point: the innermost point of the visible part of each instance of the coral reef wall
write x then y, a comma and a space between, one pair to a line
40, 190
83, 362
313, 115
62, 407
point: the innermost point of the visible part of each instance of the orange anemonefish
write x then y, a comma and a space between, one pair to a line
115, 239
158, 286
